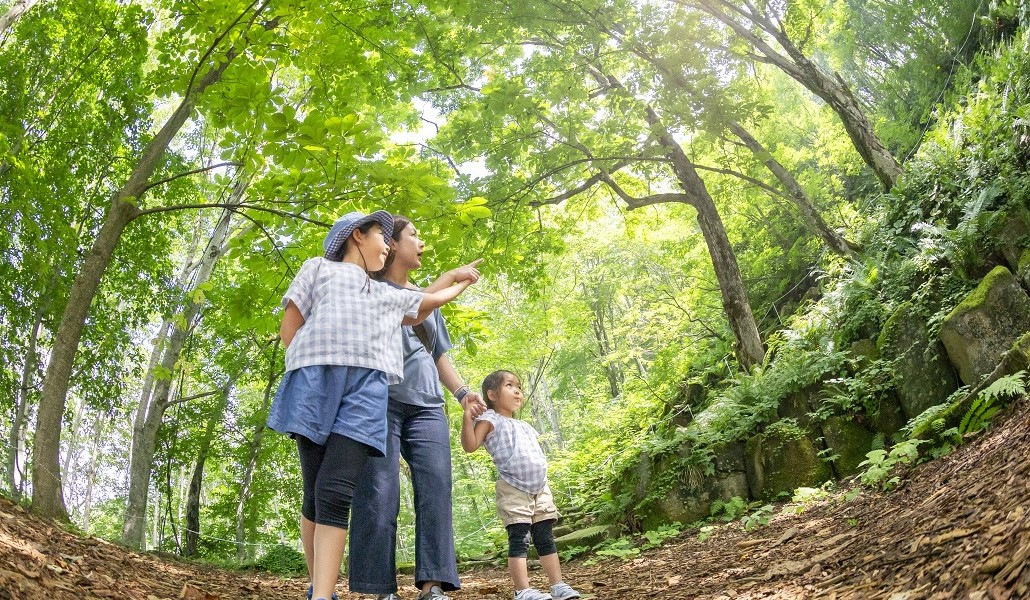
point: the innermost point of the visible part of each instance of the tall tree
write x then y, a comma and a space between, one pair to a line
716, 106
71, 73
192, 526
787, 26
243, 507
169, 346
584, 122
47, 499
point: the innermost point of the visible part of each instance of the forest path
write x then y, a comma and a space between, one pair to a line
958, 527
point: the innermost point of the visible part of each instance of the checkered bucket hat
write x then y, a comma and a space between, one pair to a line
345, 225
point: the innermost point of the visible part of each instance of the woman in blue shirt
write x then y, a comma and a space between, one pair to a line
417, 429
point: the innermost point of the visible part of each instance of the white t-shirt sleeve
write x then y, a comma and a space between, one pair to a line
411, 300
490, 417
302, 287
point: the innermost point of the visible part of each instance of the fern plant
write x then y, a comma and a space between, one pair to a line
989, 402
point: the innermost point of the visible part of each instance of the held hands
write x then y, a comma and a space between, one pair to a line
473, 404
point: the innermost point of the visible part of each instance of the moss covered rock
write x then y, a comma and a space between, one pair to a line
923, 375
729, 457
781, 462
888, 418
588, 537
688, 505
1011, 232
1016, 359
849, 441
1023, 270
864, 352
798, 406
986, 324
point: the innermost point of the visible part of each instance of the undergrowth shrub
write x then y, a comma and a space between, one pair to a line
881, 466
282, 560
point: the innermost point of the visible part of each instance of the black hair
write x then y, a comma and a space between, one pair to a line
399, 224
493, 383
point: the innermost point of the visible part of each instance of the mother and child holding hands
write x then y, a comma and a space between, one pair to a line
365, 360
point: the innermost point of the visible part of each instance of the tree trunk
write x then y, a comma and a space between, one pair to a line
550, 412
16, 439
47, 495
20, 7
193, 496
831, 88
538, 420
91, 475
145, 430
47, 499
604, 345
811, 217
750, 349
73, 441
252, 456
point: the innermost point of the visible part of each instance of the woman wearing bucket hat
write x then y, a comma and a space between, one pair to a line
417, 429
342, 331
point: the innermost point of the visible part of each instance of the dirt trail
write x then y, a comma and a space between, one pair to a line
958, 527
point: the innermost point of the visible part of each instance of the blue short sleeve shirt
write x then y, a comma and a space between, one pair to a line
421, 384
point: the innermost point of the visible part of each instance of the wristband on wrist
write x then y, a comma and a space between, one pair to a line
461, 392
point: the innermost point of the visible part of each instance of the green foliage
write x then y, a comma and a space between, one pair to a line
282, 560
705, 532
805, 497
621, 548
751, 514
881, 466
572, 552
654, 538
987, 402
625, 548
864, 386
729, 510
759, 517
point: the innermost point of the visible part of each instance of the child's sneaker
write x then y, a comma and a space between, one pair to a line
563, 591
531, 594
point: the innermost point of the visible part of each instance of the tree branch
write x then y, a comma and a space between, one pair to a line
633, 203
187, 174
236, 208
183, 399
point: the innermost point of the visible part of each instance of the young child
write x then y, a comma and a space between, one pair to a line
343, 348
524, 500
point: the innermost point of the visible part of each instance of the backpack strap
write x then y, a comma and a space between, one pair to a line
423, 336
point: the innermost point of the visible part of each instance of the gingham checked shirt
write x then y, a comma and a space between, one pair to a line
516, 452
349, 319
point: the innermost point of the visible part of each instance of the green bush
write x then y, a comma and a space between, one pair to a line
282, 560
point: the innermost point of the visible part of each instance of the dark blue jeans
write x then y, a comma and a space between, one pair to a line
422, 436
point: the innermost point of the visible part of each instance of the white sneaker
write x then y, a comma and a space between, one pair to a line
563, 591
531, 594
